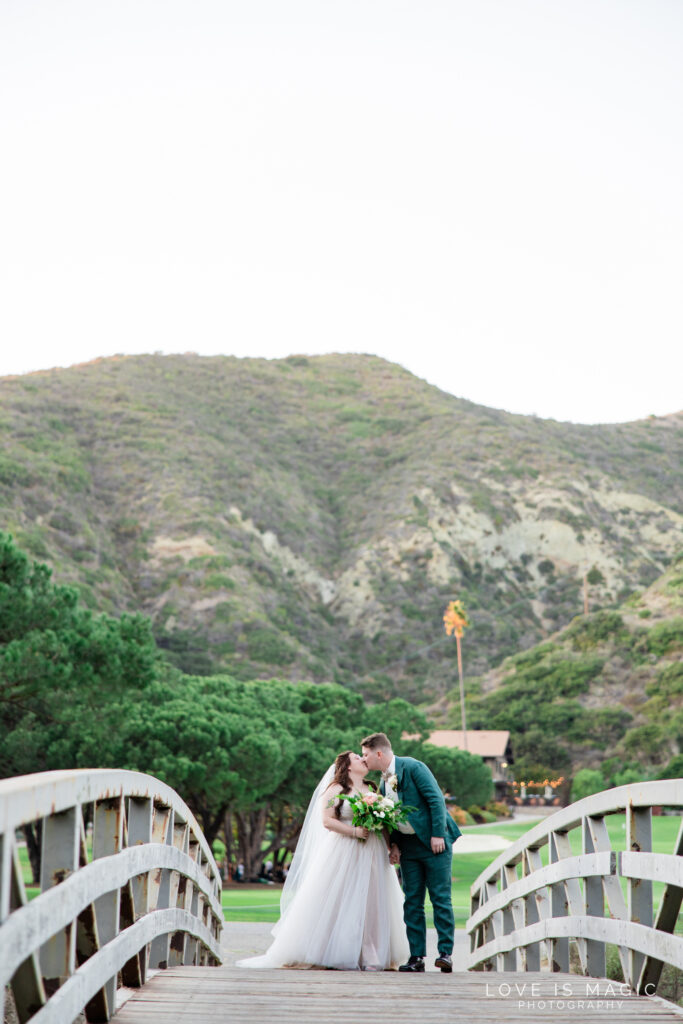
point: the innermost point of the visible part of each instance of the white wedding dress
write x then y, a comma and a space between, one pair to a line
345, 905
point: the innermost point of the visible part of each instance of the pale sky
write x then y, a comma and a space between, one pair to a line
487, 192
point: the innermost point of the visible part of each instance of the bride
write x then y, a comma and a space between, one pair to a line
341, 905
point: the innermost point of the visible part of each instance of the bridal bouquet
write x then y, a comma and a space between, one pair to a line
376, 812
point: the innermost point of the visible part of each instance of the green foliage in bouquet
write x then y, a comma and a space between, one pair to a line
376, 812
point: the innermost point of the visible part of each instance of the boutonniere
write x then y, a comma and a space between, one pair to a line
392, 782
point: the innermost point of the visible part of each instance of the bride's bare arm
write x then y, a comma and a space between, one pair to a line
333, 823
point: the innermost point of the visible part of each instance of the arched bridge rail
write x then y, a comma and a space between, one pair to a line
525, 915
141, 891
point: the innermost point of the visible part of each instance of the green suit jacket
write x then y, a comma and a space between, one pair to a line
417, 787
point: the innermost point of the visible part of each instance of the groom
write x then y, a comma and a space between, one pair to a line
424, 846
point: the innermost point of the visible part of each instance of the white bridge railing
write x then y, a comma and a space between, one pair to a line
524, 915
148, 896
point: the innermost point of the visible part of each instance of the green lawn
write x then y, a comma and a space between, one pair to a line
252, 904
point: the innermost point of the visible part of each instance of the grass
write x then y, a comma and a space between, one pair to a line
252, 903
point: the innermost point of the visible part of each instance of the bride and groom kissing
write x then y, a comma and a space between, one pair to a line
342, 906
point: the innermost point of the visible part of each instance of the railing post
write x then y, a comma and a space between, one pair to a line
108, 833
140, 814
639, 890
59, 859
596, 961
573, 900
163, 833
494, 927
611, 885
559, 960
191, 897
176, 952
535, 908
508, 876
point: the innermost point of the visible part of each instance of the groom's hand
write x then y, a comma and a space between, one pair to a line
394, 854
438, 844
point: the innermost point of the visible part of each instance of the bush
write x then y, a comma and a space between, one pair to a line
669, 682
629, 776
460, 816
607, 725
481, 816
665, 636
586, 782
499, 809
488, 817
645, 740
267, 646
538, 756
589, 630
673, 770
219, 849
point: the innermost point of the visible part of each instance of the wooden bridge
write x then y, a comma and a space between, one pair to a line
135, 929
208, 996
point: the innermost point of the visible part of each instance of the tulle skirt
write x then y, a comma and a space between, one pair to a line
347, 913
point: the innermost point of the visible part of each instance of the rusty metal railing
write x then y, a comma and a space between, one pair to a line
526, 919
142, 892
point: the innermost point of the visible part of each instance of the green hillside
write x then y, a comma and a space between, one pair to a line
311, 517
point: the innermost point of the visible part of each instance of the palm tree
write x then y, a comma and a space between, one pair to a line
455, 620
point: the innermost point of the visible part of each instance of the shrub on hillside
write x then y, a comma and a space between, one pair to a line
588, 631
265, 645
665, 636
669, 682
644, 740
605, 726
673, 770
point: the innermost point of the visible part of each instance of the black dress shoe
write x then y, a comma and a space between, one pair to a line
414, 965
445, 962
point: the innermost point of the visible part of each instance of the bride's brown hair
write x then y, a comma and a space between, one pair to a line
341, 778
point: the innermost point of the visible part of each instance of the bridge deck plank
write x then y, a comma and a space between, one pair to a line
196, 995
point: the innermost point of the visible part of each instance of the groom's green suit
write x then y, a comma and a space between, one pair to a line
423, 870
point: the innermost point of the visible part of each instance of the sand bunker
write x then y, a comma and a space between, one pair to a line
474, 843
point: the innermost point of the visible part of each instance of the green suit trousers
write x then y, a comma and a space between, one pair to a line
424, 871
